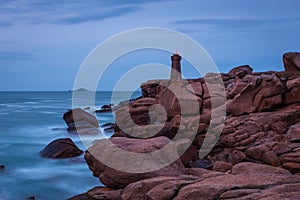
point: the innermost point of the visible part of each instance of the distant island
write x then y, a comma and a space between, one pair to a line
80, 90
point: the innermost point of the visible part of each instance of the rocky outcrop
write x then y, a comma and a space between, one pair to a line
265, 137
246, 181
2, 167
256, 156
78, 119
242, 186
61, 148
258, 113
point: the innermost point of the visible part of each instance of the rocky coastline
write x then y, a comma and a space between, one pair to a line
257, 155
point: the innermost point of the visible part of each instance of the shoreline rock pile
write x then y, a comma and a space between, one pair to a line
256, 156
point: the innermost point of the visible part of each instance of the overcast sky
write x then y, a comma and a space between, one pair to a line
43, 43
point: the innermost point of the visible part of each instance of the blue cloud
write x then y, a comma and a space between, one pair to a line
5, 23
67, 11
16, 55
238, 24
96, 16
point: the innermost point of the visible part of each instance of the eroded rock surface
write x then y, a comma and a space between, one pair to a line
257, 155
247, 181
120, 147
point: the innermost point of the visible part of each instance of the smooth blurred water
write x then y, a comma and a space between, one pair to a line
28, 122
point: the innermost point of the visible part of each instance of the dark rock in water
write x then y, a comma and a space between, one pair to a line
109, 129
30, 198
80, 119
105, 108
2, 167
107, 124
58, 129
61, 148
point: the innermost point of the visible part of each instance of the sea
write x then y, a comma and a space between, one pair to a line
28, 122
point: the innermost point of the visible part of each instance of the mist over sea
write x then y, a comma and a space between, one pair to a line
28, 122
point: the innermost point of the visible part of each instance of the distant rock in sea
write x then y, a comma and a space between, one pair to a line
79, 119
105, 108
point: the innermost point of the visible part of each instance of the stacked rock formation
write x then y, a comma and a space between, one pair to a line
256, 156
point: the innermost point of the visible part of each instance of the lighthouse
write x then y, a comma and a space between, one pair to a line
176, 67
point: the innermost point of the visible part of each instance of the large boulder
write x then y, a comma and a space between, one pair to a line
125, 153
291, 62
262, 92
61, 148
79, 119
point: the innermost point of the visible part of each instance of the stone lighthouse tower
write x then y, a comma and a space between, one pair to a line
176, 68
